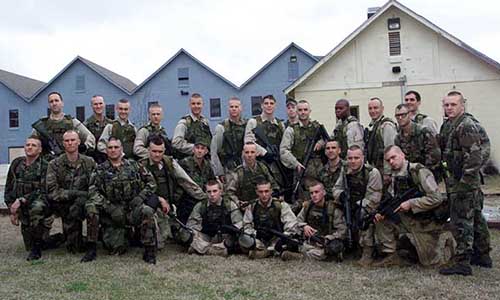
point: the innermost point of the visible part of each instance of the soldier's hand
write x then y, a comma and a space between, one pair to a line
405, 206
378, 218
14, 220
300, 167
309, 231
319, 145
15, 206
222, 179
165, 207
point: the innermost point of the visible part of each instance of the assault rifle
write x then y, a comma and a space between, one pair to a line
345, 199
285, 239
54, 148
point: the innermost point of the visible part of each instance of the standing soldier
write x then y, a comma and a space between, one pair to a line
381, 134
348, 131
323, 226
96, 123
68, 179
154, 127
413, 100
462, 154
50, 129
291, 112
121, 129
190, 128
330, 172
418, 143
126, 193
360, 186
197, 166
227, 143
214, 223
26, 198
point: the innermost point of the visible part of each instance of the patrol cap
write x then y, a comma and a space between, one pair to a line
202, 141
290, 101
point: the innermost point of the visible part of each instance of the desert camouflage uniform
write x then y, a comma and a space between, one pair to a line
143, 136
125, 131
227, 145
381, 134
348, 132
189, 129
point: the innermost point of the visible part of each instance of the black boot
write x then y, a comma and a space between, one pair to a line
36, 252
91, 253
458, 268
149, 255
483, 261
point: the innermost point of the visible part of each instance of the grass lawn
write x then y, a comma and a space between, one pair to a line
180, 276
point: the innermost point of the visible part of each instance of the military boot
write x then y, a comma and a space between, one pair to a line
366, 258
149, 255
289, 255
36, 252
217, 252
457, 268
390, 260
483, 261
91, 253
256, 254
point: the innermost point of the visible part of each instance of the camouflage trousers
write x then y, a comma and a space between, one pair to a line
470, 227
118, 222
35, 222
205, 244
72, 216
313, 252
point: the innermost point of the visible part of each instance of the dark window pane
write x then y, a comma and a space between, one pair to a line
80, 113
293, 68
13, 118
80, 83
110, 111
256, 103
183, 77
215, 111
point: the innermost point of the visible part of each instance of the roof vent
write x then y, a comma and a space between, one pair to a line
372, 11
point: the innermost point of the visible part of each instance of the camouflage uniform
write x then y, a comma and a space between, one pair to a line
227, 145
188, 130
329, 175
328, 220
67, 188
141, 142
125, 131
206, 221
381, 134
462, 152
96, 127
424, 225
200, 174
28, 182
426, 121
122, 191
348, 132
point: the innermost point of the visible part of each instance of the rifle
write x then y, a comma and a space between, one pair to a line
287, 240
53, 145
346, 201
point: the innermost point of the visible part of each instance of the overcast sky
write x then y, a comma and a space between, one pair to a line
235, 38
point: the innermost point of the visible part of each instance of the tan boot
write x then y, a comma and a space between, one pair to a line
390, 260
366, 259
289, 255
256, 254
217, 252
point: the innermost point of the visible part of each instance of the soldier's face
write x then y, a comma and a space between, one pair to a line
341, 110
395, 158
411, 101
123, 110
402, 117
332, 150
98, 105
291, 111
71, 142
355, 159
453, 106
196, 105
250, 154
304, 111
32, 148
268, 106
114, 150
264, 193
375, 109
234, 108
317, 193
156, 115
156, 152
199, 151
214, 193
55, 104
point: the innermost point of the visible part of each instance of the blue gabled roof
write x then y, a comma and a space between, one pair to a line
183, 51
292, 44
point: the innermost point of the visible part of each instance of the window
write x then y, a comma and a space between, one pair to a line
183, 77
80, 113
256, 108
293, 68
215, 111
355, 111
110, 111
14, 118
394, 43
80, 83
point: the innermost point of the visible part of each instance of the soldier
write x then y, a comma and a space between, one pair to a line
364, 185
421, 216
330, 172
323, 226
51, 129
197, 166
96, 123
121, 129
25, 196
269, 213
462, 154
241, 185
209, 220
68, 179
413, 100
125, 191
291, 112
154, 127
348, 131
418, 143
190, 127
294, 145
381, 134
227, 143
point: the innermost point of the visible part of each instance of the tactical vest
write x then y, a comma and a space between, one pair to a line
340, 134
123, 184
248, 181
273, 132
267, 217
27, 179
95, 127
196, 130
199, 175
329, 179
419, 118
358, 183
56, 129
320, 218
232, 144
126, 134
302, 135
213, 217
163, 178
413, 145
72, 178
375, 144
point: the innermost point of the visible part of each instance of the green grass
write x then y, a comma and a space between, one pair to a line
180, 276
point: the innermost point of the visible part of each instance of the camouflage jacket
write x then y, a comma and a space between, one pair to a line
241, 184
95, 126
420, 146
328, 220
23, 180
200, 174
